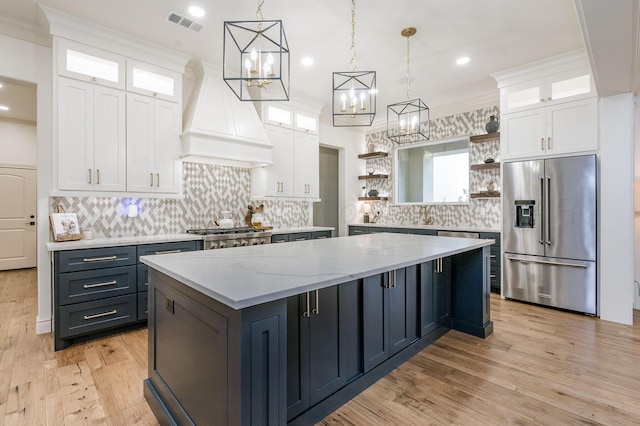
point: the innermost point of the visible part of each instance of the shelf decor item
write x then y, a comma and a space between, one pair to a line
373, 193
489, 159
64, 227
493, 125
408, 121
256, 61
354, 92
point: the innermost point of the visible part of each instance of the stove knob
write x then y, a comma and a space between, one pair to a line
255, 242
213, 246
222, 244
244, 243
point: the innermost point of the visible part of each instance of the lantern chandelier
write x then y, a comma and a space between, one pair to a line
256, 59
354, 92
408, 121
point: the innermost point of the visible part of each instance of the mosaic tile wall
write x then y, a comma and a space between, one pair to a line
208, 189
483, 213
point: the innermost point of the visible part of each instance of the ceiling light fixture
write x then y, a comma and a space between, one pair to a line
196, 12
408, 121
256, 59
4, 108
307, 61
464, 60
354, 92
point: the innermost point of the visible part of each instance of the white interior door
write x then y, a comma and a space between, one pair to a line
17, 218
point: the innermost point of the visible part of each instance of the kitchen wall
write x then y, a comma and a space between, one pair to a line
18, 143
479, 213
208, 189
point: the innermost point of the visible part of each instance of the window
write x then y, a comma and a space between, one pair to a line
92, 66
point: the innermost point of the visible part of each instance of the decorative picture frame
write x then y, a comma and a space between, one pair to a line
65, 227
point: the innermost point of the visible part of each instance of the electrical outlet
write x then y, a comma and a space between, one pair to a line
169, 305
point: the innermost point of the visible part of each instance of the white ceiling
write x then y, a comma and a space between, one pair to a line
495, 34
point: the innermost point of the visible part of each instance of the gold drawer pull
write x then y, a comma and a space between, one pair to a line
281, 241
492, 256
99, 259
169, 251
99, 284
300, 239
104, 314
321, 237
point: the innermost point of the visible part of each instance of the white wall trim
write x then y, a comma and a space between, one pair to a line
616, 208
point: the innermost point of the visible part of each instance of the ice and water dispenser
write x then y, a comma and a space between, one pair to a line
524, 213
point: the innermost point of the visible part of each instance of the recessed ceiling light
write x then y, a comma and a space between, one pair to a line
462, 60
4, 108
196, 11
0, 84
307, 61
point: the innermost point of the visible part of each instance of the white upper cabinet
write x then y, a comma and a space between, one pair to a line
305, 122
548, 108
306, 165
87, 63
277, 114
153, 145
153, 81
562, 87
91, 137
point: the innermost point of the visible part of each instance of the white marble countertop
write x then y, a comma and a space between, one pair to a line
241, 277
120, 241
434, 227
277, 231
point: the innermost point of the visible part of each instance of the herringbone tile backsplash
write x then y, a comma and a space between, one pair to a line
209, 189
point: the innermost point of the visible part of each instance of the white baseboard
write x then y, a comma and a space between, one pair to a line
43, 327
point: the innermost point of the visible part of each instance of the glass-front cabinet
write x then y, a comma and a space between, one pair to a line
567, 86
87, 63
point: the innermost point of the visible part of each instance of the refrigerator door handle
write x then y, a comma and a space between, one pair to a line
541, 216
549, 262
547, 215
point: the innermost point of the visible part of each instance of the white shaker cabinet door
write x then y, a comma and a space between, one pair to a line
167, 147
110, 154
306, 165
523, 134
140, 143
573, 127
279, 175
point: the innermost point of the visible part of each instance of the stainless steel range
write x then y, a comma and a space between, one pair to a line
217, 238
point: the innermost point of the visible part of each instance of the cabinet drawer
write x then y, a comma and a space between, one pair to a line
84, 260
89, 317
83, 286
358, 230
280, 238
494, 279
300, 236
494, 253
320, 235
143, 277
143, 305
166, 248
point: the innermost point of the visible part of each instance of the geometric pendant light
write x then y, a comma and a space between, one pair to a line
408, 121
256, 59
354, 92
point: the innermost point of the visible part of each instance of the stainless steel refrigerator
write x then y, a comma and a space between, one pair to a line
549, 232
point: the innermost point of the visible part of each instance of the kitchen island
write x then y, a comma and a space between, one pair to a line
287, 333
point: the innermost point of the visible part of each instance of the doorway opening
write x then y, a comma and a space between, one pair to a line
18, 161
325, 213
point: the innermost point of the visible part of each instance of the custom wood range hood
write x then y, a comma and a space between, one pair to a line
219, 128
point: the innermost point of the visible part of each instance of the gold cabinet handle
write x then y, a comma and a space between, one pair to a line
168, 251
549, 143
103, 314
99, 284
322, 237
157, 179
542, 144
316, 310
99, 259
98, 176
90, 176
151, 181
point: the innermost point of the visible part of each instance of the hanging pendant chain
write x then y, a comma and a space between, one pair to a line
259, 11
408, 67
352, 62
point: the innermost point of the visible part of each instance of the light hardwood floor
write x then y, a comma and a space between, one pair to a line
540, 366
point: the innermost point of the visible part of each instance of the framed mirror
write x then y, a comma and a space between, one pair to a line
434, 172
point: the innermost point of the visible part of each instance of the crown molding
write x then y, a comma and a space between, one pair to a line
23, 29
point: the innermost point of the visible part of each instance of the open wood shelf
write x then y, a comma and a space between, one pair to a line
489, 137
485, 194
485, 166
377, 176
373, 198
372, 155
